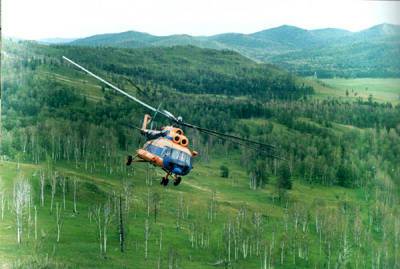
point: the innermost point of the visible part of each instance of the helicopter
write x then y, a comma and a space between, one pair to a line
168, 148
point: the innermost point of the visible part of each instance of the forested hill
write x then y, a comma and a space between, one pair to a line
184, 68
69, 201
216, 89
328, 52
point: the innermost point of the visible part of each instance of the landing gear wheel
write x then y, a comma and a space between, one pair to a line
177, 181
164, 181
129, 160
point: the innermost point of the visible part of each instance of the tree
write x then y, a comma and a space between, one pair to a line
212, 207
53, 190
75, 210
146, 238
127, 195
224, 171
2, 205
35, 222
63, 185
121, 226
22, 196
156, 201
284, 177
258, 174
103, 216
42, 186
370, 99
344, 175
59, 220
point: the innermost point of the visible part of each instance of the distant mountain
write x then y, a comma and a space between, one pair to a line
56, 40
374, 52
130, 39
379, 31
329, 34
328, 52
288, 36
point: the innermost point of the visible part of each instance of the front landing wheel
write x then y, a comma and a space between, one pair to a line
177, 181
164, 181
129, 160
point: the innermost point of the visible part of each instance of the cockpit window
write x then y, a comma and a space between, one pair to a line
175, 154
180, 156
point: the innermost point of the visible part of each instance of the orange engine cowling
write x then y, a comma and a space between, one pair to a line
180, 139
178, 131
176, 138
184, 141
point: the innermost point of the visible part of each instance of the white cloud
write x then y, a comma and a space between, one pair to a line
77, 18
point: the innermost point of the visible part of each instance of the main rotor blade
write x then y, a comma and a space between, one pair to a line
169, 115
226, 136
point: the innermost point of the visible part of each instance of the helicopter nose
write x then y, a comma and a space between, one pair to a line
177, 170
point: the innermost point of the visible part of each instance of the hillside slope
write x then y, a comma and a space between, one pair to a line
329, 52
332, 203
185, 68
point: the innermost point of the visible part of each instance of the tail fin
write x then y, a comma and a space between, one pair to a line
146, 120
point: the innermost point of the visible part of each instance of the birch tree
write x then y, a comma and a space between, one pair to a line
148, 202
172, 259
22, 196
53, 190
127, 192
103, 216
2, 204
75, 189
160, 248
156, 202
212, 207
106, 223
63, 186
146, 238
179, 212
35, 221
227, 239
42, 186
121, 226
97, 217
59, 220
258, 231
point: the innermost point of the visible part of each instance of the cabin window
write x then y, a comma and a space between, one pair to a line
166, 152
155, 150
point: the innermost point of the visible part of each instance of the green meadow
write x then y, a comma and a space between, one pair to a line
381, 89
190, 237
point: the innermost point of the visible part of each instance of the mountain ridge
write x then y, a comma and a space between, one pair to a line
388, 29
287, 46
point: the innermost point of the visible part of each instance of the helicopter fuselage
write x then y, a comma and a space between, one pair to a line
165, 153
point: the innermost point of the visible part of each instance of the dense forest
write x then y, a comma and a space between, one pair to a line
52, 113
165, 76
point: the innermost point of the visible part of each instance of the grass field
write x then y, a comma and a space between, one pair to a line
197, 242
381, 89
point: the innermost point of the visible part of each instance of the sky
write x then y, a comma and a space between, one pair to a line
38, 19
